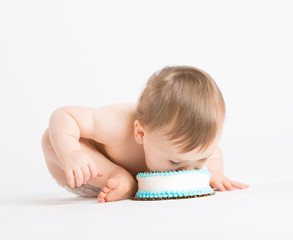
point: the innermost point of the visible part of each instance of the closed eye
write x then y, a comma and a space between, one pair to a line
175, 163
203, 160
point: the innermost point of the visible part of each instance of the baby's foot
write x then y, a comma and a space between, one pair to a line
120, 185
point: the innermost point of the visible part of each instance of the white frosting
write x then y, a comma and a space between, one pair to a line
187, 181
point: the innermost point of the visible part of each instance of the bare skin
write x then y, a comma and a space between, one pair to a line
106, 147
109, 150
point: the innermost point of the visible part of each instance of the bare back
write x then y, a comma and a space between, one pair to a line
123, 150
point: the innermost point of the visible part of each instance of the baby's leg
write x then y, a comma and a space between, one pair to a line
114, 177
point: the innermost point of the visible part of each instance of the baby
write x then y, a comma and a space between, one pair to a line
175, 125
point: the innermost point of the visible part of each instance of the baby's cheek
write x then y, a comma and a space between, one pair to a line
200, 164
159, 167
189, 167
151, 165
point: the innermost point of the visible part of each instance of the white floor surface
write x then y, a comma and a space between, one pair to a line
264, 211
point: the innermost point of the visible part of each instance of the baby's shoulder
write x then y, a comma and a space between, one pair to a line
123, 111
118, 121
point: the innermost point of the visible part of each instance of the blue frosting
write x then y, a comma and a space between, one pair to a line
203, 170
166, 194
173, 193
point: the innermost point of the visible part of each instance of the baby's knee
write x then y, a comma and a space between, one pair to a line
46, 142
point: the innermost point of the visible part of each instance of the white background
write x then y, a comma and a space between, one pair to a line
95, 53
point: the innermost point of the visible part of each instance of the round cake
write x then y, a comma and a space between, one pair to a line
173, 184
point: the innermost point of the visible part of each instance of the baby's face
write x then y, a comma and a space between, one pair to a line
161, 155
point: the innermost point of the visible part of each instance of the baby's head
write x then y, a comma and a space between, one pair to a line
180, 116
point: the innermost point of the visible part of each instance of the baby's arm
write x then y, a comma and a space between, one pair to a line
218, 179
215, 161
66, 126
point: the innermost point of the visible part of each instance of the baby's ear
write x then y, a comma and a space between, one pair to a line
138, 132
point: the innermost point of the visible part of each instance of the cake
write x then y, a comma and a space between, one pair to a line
173, 184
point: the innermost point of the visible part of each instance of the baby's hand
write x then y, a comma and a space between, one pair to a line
79, 165
219, 181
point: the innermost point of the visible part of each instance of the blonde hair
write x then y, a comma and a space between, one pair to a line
187, 98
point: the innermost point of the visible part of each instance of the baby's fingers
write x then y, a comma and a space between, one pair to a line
228, 185
86, 174
94, 170
219, 186
78, 177
70, 178
239, 185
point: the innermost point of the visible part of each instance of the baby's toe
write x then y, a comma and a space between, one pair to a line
101, 197
106, 189
102, 194
101, 200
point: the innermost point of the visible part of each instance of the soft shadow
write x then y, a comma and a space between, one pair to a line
46, 200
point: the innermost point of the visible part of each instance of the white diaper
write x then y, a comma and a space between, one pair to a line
85, 190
